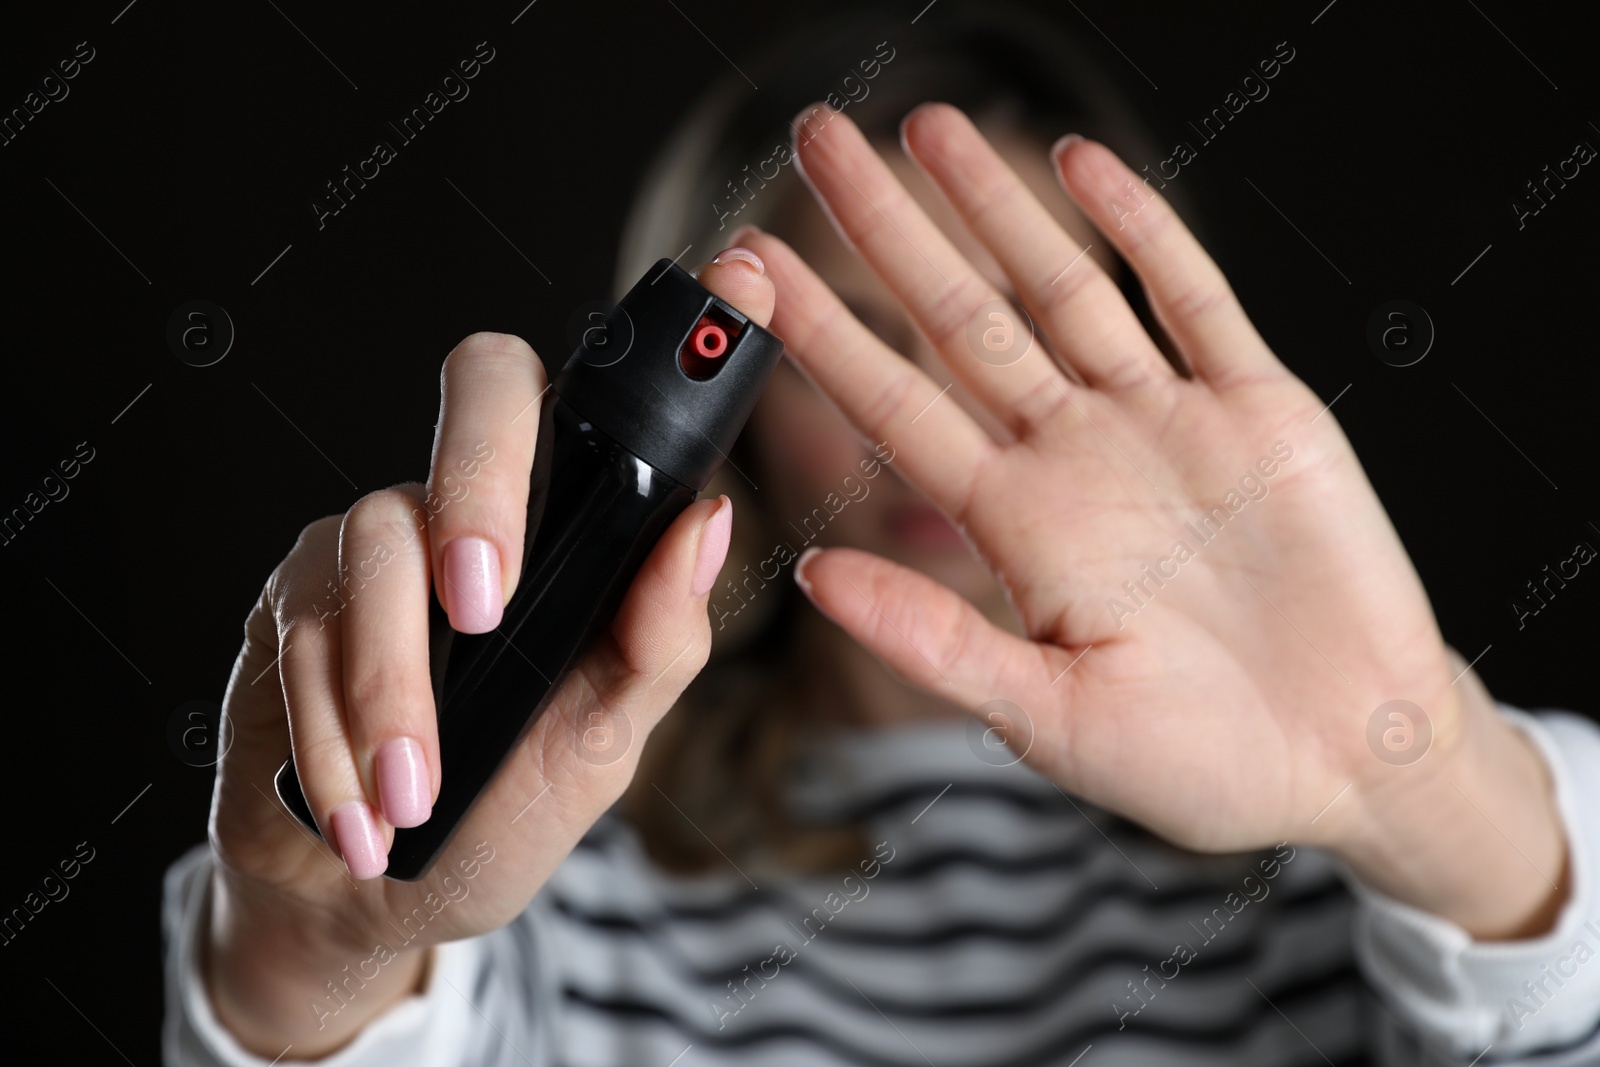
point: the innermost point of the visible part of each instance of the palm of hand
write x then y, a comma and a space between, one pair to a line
1229, 632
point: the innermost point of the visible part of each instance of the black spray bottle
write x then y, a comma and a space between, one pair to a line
630, 432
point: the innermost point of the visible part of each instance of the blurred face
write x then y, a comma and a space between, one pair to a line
808, 450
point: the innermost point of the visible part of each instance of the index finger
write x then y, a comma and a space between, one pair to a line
477, 500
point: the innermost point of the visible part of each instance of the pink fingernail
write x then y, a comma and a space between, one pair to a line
355, 832
800, 578
403, 787
742, 255
713, 548
472, 581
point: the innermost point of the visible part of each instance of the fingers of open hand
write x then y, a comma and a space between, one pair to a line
1070, 296
1186, 288
943, 293
478, 487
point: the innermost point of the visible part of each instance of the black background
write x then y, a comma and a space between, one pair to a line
197, 136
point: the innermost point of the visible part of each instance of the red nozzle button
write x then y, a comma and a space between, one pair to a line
710, 340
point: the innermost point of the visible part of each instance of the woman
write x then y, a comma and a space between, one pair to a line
1140, 552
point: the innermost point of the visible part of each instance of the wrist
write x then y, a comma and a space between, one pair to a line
1471, 832
276, 978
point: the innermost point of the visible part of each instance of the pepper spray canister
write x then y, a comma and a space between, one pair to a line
630, 432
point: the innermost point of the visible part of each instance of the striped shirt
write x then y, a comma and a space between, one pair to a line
994, 921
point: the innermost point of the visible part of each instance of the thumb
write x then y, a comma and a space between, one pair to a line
921, 630
738, 276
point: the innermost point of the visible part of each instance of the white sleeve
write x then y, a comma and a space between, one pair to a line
479, 1006
1535, 1001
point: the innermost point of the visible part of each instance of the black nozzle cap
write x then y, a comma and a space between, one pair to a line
626, 376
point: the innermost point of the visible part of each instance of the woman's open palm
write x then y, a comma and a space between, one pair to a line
1215, 602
